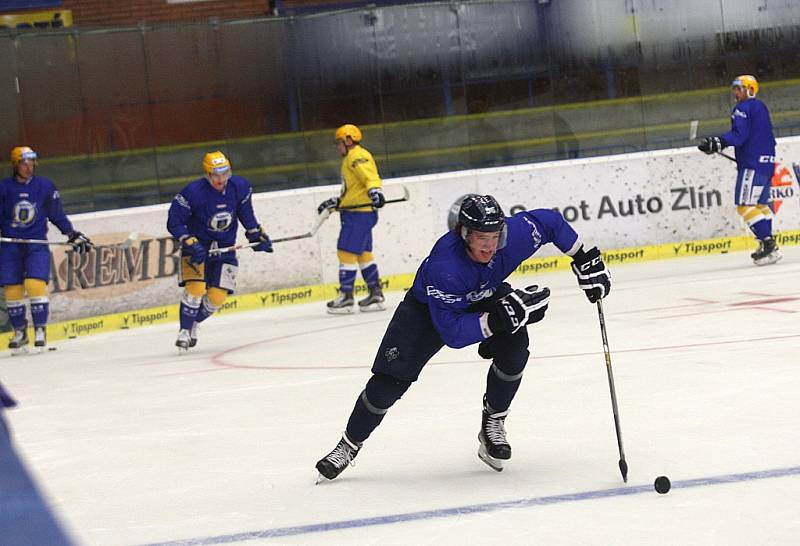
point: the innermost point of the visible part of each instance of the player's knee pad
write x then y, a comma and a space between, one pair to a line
36, 288
766, 212
365, 258
347, 258
216, 297
195, 288
749, 214
382, 391
15, 292
191, 300
511, 355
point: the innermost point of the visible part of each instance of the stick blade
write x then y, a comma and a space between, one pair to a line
623, 468
693, 129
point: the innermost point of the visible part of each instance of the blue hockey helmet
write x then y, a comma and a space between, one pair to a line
474, 212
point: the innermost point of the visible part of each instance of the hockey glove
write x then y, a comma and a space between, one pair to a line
376, 195
593, 277
257, 235
711, 145
518, 308
80, 242
193, 248
328, 204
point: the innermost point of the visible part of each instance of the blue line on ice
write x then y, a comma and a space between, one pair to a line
477, 508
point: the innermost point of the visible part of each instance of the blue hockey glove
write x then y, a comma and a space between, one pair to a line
711, 145
80, 242
256, 235
331, 203
193, 248
593, 277
520, 307
377, 198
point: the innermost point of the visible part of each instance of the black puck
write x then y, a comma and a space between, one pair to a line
662, 485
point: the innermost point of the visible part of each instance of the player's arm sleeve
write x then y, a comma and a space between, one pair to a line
366, 169
245, 210
448, 308
55, 212
555, 229
178, 217
740, 128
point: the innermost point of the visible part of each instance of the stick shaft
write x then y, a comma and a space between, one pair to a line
251, 245
33, 241
623, 465
405, 197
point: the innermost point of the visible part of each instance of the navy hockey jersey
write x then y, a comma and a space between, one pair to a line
751, 135
26, 207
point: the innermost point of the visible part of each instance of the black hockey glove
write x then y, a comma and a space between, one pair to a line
80, 242
331, 203
193, 248
593, 277
711, 145
377, 198
520, 307
256, 235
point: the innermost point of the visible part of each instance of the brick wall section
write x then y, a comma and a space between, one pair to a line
116, 13
93, 13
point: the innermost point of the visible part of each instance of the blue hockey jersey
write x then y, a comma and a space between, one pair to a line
751, 135
201, 211
449, 281
26, 207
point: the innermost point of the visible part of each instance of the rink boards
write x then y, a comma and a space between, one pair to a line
636, 207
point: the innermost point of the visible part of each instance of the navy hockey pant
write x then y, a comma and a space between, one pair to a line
410, 341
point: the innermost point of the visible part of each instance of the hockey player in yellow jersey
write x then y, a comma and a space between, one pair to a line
361, 184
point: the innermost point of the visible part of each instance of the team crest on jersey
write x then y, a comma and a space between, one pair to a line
221, 221
24, 213
392, 353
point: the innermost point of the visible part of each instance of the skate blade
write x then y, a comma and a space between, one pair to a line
494, 464
21, 351
340, 310
372, 308
771, 259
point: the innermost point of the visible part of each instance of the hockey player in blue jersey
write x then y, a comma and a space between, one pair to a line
27, 202
205, 216
459, 298
752, 138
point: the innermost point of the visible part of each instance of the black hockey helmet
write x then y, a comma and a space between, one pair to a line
477, 213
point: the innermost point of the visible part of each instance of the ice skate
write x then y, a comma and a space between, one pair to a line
193, 334
494, 449
767, 253
374, 301
334, 463
40, 338
19, 343
184, 340
342, 305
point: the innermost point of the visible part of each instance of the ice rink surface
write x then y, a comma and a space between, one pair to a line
133, 444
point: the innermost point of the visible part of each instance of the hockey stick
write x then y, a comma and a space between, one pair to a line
124, 244
623, 466
406, 196
251, 245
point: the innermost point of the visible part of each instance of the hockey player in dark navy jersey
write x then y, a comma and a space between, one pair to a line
459, 298
27, 202
752, 138
205, 216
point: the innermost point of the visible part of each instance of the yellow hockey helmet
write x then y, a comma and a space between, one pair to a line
748, 83
348, 130
22, 153
216, 163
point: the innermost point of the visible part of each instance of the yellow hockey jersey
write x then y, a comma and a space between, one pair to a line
359, 175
